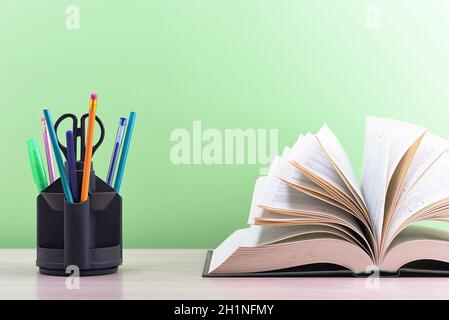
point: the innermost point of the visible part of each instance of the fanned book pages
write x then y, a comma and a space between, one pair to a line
310, 215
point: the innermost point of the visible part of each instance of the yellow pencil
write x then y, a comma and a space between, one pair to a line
89, 145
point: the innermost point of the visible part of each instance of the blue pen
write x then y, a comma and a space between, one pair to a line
125, 149
71, 165
58, 157
116, 150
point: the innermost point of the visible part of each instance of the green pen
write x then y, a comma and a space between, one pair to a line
37, 166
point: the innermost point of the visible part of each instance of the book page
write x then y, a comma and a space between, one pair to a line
396, 183
430, 149
256, 211
266, 235
274, 166
401, 137
417, 242
308, 154
427, 198
289, 173
267, 185
280, 198
341, 162
404, 140
277, 194
387, 141
229, 245
375, 170
259, 213
293, 177
431, 188
320, 248
277, 220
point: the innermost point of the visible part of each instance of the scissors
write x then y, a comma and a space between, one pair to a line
79, 132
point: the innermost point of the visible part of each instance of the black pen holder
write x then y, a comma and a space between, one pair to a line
86, 235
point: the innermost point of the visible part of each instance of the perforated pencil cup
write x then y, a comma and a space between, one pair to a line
86, 235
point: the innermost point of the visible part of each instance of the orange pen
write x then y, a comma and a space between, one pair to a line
89, 145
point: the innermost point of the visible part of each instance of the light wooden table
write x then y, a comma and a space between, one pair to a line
176, 274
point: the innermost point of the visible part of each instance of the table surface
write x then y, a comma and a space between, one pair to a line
176, 274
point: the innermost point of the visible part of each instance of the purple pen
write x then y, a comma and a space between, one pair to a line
71, 165
48, 155
116, 150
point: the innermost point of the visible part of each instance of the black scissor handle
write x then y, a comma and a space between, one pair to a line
79, 132
74, 130
83, 138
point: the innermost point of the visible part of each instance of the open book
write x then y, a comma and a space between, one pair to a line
310, 212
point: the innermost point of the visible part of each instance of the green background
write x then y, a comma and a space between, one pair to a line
289, 65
